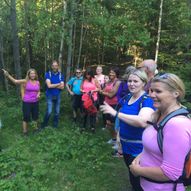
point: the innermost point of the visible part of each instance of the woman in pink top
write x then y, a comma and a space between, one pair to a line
153, 166
110, 93
90, 86
30, 92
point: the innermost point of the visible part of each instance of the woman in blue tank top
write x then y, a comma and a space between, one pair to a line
136, 110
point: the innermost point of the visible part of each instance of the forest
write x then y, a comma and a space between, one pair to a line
79, 34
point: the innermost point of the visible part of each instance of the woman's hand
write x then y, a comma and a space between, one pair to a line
5, 73
135, 167
108, 109
136, 161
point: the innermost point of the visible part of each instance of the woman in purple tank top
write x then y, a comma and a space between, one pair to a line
30, 92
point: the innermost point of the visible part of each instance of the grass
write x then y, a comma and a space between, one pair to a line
60, 159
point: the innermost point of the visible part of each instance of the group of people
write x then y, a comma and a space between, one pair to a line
139, 102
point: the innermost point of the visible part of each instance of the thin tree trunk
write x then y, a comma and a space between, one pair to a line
71, 26
81, 42
16, 54
74, 44
60, 57
2, 65
27, 35
159, 32
69, 59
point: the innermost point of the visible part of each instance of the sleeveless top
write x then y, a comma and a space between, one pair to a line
89, 86
109, 86
31, 92
100, 79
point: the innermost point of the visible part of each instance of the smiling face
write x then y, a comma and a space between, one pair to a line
162, 96
78, 73
32, 75
135, 84
112, 75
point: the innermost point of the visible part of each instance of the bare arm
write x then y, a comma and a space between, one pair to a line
154, 173
69, 89
113, 91
15, 81
49, 85
139, 120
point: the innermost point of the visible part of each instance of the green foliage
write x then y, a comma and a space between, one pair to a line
54, 159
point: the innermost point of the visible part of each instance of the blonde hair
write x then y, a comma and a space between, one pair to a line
141, 74
28, 74
173, 82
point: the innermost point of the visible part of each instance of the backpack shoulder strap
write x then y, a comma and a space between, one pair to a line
145, 96
181, 111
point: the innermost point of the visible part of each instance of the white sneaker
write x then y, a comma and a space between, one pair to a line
111, 141
115, 147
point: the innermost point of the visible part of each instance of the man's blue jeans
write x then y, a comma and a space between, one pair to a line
52, 101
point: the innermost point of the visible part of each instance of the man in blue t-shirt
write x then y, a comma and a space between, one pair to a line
54, 85
73, 87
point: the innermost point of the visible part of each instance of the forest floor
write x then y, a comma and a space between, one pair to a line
60, 159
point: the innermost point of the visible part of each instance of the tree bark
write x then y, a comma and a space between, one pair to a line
16, 54
81, 41
61, 52
27, 35
70, 45
2, 64
159, 32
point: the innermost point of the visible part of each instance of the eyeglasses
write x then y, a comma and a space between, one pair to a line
163, 76
78, 72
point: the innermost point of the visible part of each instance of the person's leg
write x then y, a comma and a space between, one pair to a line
93, 122
48, 111
35, 114
56, 111
26, 117
74, 107
135, 181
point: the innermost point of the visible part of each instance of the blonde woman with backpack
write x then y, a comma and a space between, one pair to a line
161, 165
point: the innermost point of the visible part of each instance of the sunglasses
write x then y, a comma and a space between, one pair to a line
78, 72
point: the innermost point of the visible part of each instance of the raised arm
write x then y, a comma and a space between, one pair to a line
15, 81
139, 120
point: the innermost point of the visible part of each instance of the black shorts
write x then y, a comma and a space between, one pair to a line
30, 109
77, 102
109, 117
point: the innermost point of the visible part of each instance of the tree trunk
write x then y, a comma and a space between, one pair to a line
16, 54
81, 42
70, 45
159, 32
69, 58
27, 35
2, 65
60, 57
74, 44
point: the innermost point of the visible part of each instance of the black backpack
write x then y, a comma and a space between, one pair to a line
185, 178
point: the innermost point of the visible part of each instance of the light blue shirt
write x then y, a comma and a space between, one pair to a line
75, 84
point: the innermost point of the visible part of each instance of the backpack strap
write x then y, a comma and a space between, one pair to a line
181, 111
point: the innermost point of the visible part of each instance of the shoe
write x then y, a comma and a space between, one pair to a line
115, 147
93, 130
117, 154
111, 141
